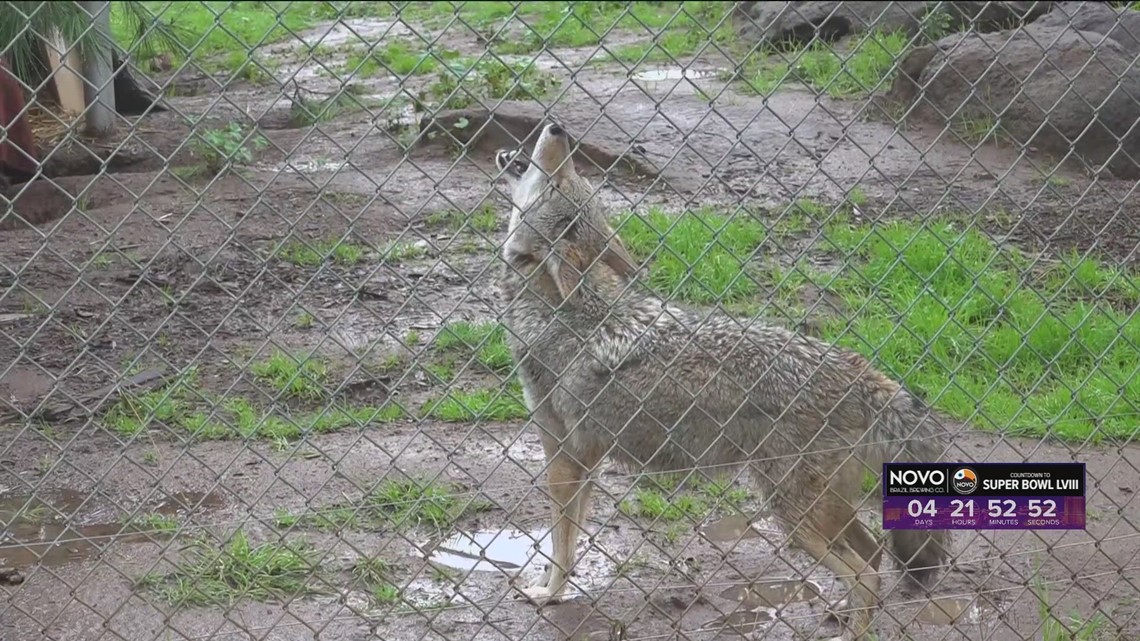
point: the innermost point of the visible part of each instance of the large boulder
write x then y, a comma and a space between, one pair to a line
1062, 84
797, 23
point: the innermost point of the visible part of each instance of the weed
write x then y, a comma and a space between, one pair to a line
485, 220
134, 412
976, 126
666, 500
460, 406
486, 341
936, 24
158, 523
314, 253
386, 594
462, 83
698, 256
1072, 628
398, 252
412, 339
306, 111
226, 147
292, 377
397, 57
150, 457
865, 68
413, 503
210, 575
371, 570
304, 320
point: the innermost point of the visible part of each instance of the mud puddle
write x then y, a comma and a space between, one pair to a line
736, 527
674, 73
953, 610
47, 527
769, 594
491, 550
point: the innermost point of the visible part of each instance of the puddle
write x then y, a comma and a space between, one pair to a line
744, 622
491, 550
952, 610
763, 595
729, 529
736, 527
47, 527
672, 73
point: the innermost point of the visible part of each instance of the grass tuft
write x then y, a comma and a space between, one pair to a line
238, 570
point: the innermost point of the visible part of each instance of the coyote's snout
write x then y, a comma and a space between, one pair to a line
610, 371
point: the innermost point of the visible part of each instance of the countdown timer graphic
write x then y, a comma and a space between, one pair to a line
984, 496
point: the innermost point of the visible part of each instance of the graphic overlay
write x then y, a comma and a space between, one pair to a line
983, 496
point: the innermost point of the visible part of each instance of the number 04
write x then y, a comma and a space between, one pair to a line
916, 508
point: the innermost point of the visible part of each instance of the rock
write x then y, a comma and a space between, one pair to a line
1122, 26
798, 22
1050, 86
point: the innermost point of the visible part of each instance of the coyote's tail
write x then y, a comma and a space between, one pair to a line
906, 430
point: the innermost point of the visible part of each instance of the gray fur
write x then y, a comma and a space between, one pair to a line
611, 371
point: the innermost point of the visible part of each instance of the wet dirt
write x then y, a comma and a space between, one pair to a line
86, 294
61, 526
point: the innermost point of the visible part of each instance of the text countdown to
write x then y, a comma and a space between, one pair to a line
983, 496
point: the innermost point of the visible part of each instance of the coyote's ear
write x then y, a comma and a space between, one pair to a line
618, 259
567, 265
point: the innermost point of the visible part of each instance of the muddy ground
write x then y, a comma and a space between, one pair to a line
156, 271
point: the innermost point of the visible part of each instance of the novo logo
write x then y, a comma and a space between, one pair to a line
965, 481
917, 478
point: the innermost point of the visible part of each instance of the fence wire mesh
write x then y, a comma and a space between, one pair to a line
265, 376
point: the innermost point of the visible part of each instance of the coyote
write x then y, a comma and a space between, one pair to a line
609, 370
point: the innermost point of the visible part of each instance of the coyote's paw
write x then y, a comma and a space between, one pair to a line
541, 595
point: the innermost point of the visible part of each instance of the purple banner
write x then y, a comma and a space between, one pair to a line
947, 512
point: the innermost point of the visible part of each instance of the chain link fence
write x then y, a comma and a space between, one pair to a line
261, 379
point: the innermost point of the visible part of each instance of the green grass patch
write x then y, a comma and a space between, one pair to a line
132, 413
986, 338
209, 575
485, 220
665, 498
866, 67
463, 83
399, 251
698, 256
214, 29
310, 110
670, 28
153, 522
316, 252
293, 377
182, 407
486, 342
489, 404
398, 504
397, 57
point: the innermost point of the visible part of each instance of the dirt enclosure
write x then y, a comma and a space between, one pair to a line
158, 270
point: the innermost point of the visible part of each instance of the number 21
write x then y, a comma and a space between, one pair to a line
958, 505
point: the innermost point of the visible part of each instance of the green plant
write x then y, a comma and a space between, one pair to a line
226, 147
315, 252
210, 575
698, 256
302, 378
463, 83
